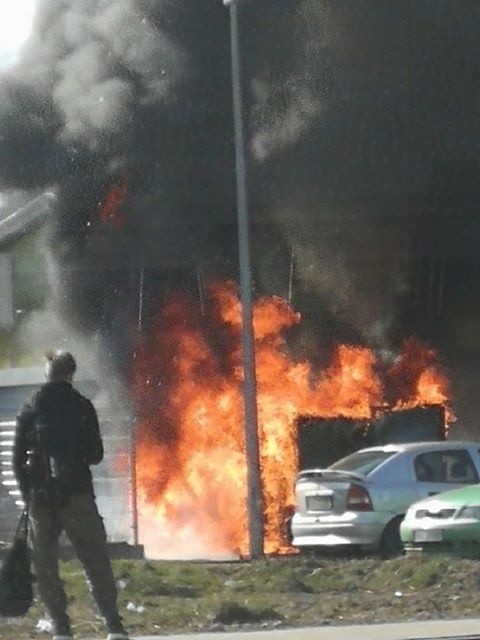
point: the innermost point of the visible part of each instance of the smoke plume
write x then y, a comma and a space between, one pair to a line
347, 103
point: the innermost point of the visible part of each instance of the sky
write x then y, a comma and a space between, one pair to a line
15, 25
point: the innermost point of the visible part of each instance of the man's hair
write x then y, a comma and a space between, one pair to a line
60, 365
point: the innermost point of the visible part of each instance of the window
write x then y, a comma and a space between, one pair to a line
445, 466
363, 462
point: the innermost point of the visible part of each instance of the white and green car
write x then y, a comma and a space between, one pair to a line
447, 522
360, 500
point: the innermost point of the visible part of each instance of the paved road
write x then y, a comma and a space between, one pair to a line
445, 630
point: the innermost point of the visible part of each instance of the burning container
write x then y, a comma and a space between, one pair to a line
322, 441
410, 425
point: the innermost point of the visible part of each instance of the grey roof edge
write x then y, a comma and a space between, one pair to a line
30, 376
22, 376
26, 218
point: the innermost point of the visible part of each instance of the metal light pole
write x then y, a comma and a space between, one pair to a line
255, 496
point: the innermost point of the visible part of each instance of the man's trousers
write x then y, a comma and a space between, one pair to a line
83, 525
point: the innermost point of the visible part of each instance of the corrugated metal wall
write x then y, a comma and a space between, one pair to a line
10, 504
113, 478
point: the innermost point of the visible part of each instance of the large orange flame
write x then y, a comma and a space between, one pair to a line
418, 379
191, 447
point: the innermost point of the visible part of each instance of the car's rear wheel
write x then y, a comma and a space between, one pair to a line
390, 542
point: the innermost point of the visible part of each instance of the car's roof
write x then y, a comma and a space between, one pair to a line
423, 446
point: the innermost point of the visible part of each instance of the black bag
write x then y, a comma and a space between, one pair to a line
16, 588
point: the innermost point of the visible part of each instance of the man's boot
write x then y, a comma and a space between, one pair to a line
116, 630
62, 630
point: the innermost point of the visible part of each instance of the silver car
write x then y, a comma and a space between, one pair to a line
361, 500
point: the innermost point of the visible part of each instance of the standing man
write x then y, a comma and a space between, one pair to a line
57, 439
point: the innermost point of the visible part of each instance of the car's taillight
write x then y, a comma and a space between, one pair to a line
358, 499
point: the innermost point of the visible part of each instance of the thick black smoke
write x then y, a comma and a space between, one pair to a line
365, 136
359, 112
123, 91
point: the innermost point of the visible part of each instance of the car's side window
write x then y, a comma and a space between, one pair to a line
428, 467
460, 468
453, 466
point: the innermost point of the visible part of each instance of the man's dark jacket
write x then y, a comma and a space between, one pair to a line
74, 434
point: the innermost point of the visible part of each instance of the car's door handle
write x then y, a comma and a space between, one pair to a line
433, 493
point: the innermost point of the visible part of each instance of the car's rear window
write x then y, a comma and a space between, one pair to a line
363, 462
